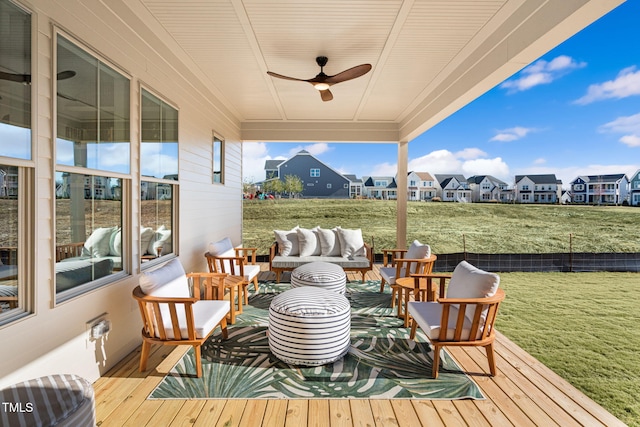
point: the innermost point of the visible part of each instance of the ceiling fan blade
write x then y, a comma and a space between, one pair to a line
63, 75
326, 95
20, 78
351, 73
280, 76
26, 78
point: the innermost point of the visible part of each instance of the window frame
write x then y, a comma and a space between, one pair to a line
314, 172
175, 187
218, 139
127, 179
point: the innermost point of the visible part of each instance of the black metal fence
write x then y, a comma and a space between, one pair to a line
560, 262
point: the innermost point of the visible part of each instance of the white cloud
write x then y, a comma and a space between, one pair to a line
542, 72
631, 140
626, 84
540, 161
314, 149
512, 134
384, 169
496, 167
629, 125
470, 153
254, 156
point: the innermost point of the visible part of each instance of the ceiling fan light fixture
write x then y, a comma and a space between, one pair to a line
321, 86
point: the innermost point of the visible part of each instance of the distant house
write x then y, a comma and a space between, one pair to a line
634, 189
318, 179
537, 188
485, 188
271, 168
380, 187
356, 186
421, 186
610, 189
453, 188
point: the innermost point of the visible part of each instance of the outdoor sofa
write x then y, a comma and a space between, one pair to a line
299, 246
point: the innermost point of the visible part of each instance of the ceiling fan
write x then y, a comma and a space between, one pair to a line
26, 78
322, 82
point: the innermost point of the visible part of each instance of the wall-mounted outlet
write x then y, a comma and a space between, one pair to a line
98, 327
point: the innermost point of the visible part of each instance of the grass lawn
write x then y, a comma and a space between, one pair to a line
584, 326
487, 228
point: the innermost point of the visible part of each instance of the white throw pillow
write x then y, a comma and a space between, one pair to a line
288, 244
97, 245
329, 242
309, 242
162, 239
115, 243
351, 242
169, 280
146, 235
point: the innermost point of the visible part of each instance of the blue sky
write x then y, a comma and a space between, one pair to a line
575, 111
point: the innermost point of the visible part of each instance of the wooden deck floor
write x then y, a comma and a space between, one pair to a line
524, 393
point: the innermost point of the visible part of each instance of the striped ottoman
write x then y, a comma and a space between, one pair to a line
321, 274
54, 400
309, 326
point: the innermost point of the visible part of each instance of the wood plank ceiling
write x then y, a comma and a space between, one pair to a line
429, 57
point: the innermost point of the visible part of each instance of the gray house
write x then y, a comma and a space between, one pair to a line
318, 179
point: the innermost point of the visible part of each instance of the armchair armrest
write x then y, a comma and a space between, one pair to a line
228, 264
249, 254
395, 254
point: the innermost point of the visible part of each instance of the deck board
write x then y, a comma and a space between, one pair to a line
523, 393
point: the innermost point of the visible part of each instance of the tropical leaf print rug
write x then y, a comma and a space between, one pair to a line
382, 363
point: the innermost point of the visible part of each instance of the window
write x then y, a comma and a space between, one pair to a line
525, 188
218, 160
525, 197
16, 173
158, 186
314, 172
328, 185
380, 183
578, 187
92, 123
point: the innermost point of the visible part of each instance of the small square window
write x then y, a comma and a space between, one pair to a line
314, 172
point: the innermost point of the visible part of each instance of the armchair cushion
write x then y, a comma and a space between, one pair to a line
351, 243
417, 250
206, 315
389, 274
429, 316
169, 280
221, 248
468, 281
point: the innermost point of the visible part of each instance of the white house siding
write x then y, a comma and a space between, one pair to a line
53, 340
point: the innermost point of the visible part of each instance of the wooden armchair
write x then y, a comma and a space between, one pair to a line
404, 262
172, 316
468, 310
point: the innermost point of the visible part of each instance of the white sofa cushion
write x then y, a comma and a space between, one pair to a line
169, 280
115, 243
309, 242
329, 242
288, 244
351, 242
97, 245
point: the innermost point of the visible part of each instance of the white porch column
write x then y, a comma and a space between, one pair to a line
401, 180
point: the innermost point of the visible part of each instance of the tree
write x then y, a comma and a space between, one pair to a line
292, 185
274, 186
